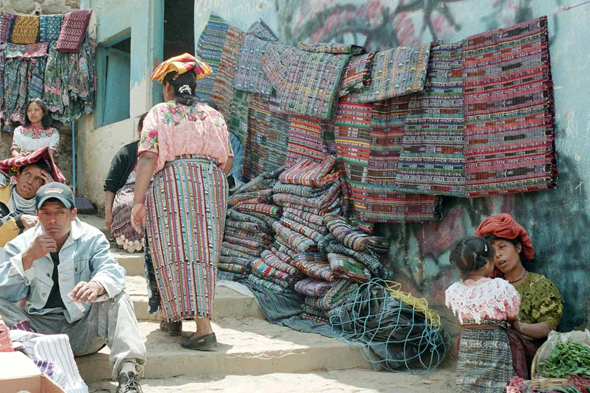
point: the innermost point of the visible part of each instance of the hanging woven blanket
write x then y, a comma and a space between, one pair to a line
243, 250
344, 266
320, 202
210, 50
233, 268
279, 277
50, 27
314, 265
313, 286
25, 29
238, 120
73, 30
222, 92
350, 237
6, 22
294, 240
249, 75
333, 48
302, 229
272, 260
307, 82
432, 160
509, 112
308, 173
309, 138
357, 75
265, 208
256, 281
397, 72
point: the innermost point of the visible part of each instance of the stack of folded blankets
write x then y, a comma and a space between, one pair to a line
248, 227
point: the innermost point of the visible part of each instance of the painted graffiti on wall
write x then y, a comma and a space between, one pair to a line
556, 220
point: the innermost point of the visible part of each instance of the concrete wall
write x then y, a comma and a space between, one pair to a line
557, 220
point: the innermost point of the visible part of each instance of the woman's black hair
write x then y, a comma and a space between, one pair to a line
184, 87
515, 242
46, 121
140, 122
471, 254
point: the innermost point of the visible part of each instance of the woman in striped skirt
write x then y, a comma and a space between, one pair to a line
185, 146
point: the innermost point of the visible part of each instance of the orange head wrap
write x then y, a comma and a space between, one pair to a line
181, 64
506, 227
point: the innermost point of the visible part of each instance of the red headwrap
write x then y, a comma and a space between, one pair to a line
41, 154
504, 226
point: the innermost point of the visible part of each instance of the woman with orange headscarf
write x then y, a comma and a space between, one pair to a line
541, 303
185, 146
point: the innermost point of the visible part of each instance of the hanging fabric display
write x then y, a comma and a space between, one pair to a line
73, 31
50, 27
6, 22
209, 50
25, 29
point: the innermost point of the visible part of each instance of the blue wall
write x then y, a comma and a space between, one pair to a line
557, 220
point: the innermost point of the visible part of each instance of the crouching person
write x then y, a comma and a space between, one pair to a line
61, 276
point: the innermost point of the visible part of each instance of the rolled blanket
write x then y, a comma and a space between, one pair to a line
307, 219
229, 276
236, 254
239, 216
313, 286
313, 265
260, 196
296, 189
266, 218
244, 250
346, 267
333, 207
233, 268
338, 294
272, 260
259, 282
281, 249
321, 202
248, 226
314, 302
268, 209
235, 260
350, 237
262, 270
295, 241
253, 244
308, 173
313, 311
302, 229
258, 236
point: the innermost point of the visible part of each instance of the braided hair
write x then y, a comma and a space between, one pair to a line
471, 254
184, 87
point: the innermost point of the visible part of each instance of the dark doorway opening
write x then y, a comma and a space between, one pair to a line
179, 27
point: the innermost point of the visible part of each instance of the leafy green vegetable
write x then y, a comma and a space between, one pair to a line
567, 358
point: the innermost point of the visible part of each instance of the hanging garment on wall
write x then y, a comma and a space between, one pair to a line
238, 122
333, 48
50, 27
6, 22
307, 138
209, 50
432, 160
357, 75
259, 29
25, 29
307, 82
222, 92
509, 113
2, 60
396, 72
73, 31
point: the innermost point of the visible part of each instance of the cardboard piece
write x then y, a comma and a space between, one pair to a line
18, 373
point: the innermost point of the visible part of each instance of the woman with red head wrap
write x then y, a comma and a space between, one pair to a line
541, 304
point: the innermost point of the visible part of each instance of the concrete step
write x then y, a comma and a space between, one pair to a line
231, 299
97, 222
132, 262
247, 346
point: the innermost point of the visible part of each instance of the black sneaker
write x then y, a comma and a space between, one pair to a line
128, 383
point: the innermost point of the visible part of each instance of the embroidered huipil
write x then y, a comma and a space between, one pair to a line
33, 138
491, 299
171, 130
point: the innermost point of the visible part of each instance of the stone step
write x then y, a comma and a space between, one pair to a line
132, 262
97, 222
247, 346
231, 299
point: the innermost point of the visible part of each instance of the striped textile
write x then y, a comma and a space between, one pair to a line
209, 49
302, 191
230, 252
333, 207
350, 237
121, 228
265, 208
300, 219
229, 276
338, 294
283, 249
185, 266
314, 265
257, 194
485, 361
357, 75
307, 82
259, 29
397, 72
313, 286
319, 202
308, 218
273, 261
235, 260
295, 241
509, 112
236, 216
333, 48
266, 218
276, 305
344, 266
242, 234
6, 23
246, 226
262, 270
249, 75
25, 29
307, 138
234, 268
282, 256
432, 159
308, 173
253, 244
238, 121
222, 92
73, 31
5, 343
301, 229
261, 282
243, 250
50, 27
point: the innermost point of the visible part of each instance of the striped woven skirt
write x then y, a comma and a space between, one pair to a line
485, 361
186, 209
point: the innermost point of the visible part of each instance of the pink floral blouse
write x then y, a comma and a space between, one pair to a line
171, 130
486, 298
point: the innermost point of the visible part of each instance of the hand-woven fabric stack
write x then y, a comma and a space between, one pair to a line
248, 228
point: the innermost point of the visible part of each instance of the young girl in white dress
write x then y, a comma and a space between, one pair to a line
37, 132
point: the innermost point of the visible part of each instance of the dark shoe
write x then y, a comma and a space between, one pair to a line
128, 383
174, 329
207, 342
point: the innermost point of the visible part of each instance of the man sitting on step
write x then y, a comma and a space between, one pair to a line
61, 276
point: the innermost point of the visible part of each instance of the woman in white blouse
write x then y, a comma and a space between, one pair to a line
37, 132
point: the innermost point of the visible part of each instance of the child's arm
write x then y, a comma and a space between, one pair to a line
534, 330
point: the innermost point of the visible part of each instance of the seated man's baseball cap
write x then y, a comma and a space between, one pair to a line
57, 191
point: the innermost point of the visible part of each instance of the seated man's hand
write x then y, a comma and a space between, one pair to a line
41, 246
28, 220
87, 291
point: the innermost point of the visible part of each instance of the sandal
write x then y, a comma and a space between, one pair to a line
174, 329
205, 342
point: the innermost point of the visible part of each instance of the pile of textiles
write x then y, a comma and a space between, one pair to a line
248, 227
